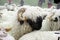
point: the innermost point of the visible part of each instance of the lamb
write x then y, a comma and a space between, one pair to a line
4, 35
41, 35
51, 22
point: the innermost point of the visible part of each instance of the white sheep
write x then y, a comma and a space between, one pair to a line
51, 22
30, 19
9, 20
41, 35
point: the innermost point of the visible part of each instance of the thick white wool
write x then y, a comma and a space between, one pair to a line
8, 38
8, 20
2, 7
19, 30
41, 35
34, 12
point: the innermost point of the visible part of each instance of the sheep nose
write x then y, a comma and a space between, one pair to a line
56, 19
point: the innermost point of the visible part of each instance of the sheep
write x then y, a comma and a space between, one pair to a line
33, 16
51, 22
4, 35
10, 7
8, 20
30, 18
41, 35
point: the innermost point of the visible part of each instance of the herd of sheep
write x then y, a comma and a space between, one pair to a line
29, 22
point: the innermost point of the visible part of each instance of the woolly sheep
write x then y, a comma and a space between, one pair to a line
41, 35
33, 16
51, 22
8, 20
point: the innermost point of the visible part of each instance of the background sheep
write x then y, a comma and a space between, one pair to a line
8, 20
10, 7
52, 21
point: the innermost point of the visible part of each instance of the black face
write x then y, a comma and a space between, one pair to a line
35, 25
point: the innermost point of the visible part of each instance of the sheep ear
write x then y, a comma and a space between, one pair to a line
22, 10
8, 29
50, 15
